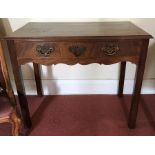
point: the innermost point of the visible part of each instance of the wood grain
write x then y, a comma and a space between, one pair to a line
129, 50
83, 29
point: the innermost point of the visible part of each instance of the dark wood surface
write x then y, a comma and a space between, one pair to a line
37, 75
82, 29
19, 84
26, 52
121, 78
138, 84
84, 43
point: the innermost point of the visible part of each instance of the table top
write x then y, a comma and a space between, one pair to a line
79, 29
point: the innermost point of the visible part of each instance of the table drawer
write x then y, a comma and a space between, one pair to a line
76, 49
114, 48
37, 50
100, 49
104, 51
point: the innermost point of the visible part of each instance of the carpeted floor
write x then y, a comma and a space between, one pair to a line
87, 115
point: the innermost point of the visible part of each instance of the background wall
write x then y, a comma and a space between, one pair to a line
93, 78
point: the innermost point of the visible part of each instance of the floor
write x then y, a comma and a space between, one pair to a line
87, 115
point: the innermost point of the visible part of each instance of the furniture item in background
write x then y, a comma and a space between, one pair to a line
8, 114
84, 43
8, 111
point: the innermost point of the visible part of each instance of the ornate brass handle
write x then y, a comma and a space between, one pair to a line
45, 50
77, 50
110, 49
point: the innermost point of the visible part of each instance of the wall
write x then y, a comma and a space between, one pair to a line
77, 78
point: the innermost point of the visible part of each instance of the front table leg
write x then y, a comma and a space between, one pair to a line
19, 85
137, 87
22, 97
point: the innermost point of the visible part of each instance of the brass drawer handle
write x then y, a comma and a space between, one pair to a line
110, 49
45, 50
77, 50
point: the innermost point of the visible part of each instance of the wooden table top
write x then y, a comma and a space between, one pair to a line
79, 29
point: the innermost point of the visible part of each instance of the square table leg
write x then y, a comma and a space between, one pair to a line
37, 74
19, 85
121, 78
138, 85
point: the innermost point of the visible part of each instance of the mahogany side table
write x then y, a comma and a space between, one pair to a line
83, 43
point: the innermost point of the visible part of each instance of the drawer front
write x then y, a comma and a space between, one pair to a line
108, 49
37, 50
76, 49
104, 51
117, 49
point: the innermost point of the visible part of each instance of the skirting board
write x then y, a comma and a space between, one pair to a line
69, 87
